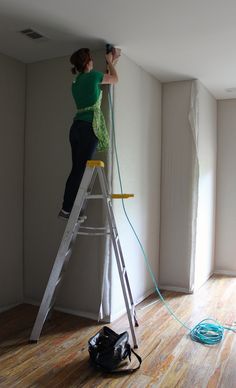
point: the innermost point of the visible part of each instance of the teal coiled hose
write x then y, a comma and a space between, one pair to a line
208, 331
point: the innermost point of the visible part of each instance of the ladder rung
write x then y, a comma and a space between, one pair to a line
93, 233
100, 228
95, 196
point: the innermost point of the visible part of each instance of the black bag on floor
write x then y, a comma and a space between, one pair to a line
108, 349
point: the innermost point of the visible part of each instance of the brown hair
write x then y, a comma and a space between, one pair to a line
80, 59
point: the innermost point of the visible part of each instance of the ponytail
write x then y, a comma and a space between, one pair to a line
79, 59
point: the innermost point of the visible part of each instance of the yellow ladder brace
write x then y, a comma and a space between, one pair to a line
119, 196
100, 163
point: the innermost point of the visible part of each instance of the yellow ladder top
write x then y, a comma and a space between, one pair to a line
95, 163
100, 163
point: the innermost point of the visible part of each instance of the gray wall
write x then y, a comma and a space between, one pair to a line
138, 132
226, 188
12, 112
50, 110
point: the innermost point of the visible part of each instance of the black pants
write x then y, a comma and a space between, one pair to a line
83, 145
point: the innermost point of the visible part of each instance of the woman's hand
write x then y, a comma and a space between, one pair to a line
113, 56
109, 57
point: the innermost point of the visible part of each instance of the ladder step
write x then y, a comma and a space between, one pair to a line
95, 196
93, 231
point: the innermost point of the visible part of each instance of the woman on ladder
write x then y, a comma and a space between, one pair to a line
88, 130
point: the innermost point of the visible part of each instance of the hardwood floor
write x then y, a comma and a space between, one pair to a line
170, 357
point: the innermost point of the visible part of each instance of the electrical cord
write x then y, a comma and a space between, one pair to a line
208, 331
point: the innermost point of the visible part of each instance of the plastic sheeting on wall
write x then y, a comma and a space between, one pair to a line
188, 185
180, 175
194, 125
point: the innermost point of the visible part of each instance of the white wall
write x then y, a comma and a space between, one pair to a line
138, 126
138, 133
138, 120
50, 111
207, 152
12, 111
226, 188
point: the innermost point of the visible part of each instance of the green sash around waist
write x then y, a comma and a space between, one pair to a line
99, 124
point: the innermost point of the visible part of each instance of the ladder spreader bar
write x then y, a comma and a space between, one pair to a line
120, 196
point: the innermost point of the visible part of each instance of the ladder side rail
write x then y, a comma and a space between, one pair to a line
47, 298
126, 278
128, 284
63, 270
119, 266
70, 234
106, 185
124, 271
90, 188
78, 204
122, 257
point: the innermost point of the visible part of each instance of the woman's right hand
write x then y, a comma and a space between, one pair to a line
109, 57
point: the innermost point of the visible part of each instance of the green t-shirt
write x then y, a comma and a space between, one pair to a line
86, 91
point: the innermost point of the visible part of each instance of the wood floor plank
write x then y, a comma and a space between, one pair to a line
170, 357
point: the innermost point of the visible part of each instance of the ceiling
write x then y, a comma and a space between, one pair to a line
171, 39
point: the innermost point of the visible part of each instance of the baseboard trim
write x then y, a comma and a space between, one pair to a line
222, 272
31, 301
83, 314
206, 278
173, 288
93, 316
79, 313
139, 300
9, 307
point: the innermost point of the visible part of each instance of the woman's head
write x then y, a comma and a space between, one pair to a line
81, 60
